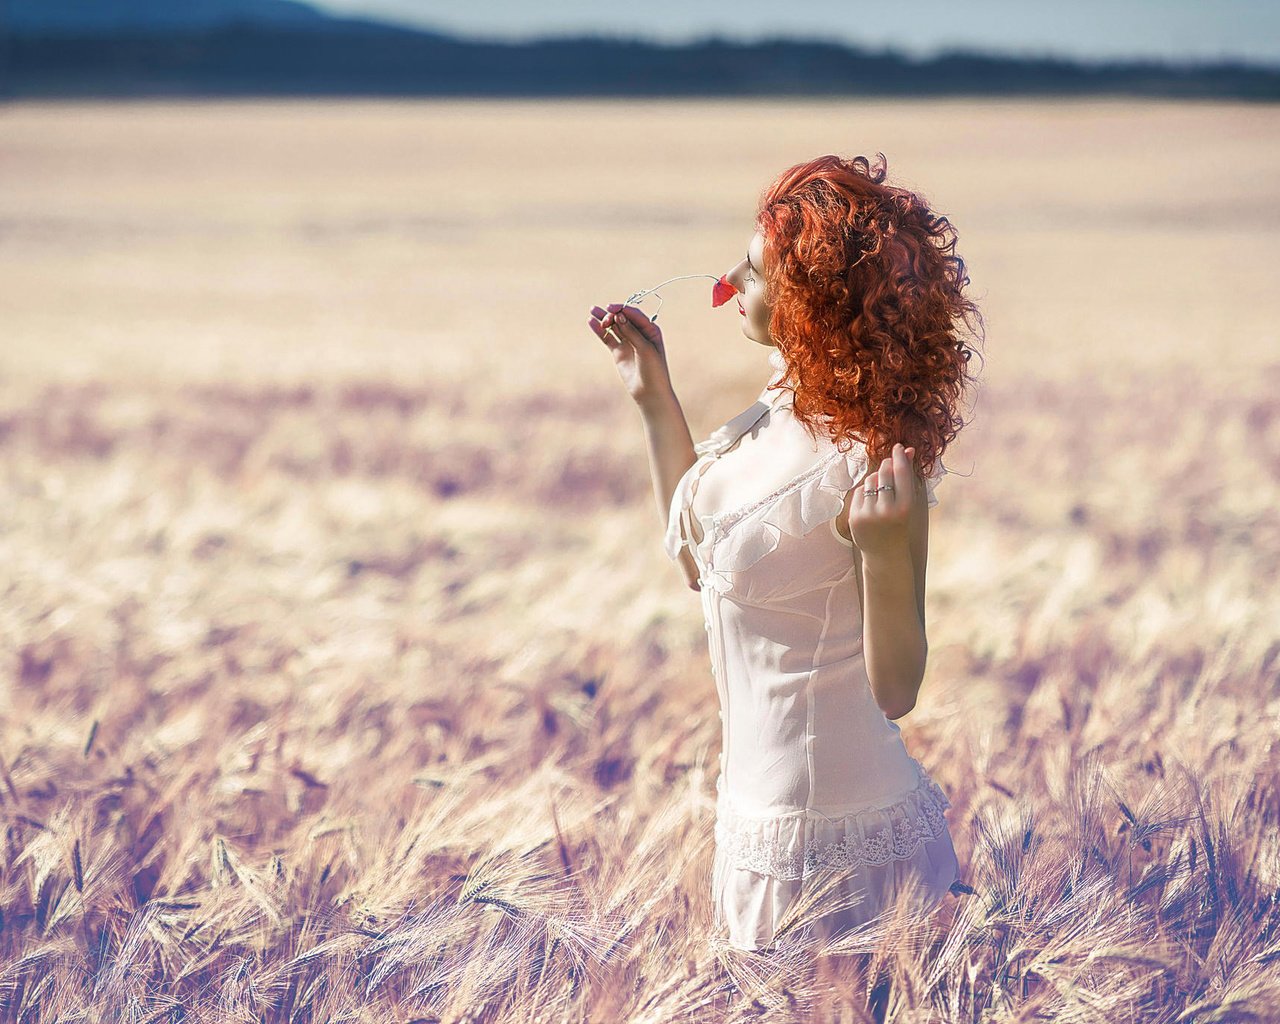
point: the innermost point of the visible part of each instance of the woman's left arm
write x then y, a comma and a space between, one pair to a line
891, 530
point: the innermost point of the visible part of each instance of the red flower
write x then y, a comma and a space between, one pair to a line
722, 291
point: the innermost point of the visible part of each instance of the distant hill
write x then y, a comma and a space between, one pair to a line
80, 16
131, 48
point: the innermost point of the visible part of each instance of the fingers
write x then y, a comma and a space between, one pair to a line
606, 316
896, 471
607, 330
624, 324
630, 316
619, 322
889, 484
885, 475
616, 309
864, 493
904, 472
601, 319
602, 332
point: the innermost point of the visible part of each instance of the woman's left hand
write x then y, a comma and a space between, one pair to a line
878, 521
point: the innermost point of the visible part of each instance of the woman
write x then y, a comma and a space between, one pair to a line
803, 522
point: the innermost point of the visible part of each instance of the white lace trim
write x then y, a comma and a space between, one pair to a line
799, 845
726, 520
807, 501
743, 536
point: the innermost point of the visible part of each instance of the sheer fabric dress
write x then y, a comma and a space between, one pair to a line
813, 775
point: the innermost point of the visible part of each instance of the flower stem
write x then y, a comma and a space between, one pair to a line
683, 277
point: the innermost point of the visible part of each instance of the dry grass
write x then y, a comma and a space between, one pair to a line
345, 679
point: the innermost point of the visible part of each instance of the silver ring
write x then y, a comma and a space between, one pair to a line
882, 487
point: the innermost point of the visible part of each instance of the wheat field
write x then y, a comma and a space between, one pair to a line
345, 678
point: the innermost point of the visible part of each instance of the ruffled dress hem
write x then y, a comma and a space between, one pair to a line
762, 864
801, 843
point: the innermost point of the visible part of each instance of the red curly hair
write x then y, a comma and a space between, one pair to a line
867, 306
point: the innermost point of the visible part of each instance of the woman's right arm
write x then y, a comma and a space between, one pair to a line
670, 447
639, 354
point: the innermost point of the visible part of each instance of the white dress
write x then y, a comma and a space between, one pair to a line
813, 775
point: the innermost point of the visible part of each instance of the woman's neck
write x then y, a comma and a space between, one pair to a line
779, 372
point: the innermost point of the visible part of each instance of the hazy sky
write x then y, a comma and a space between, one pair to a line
1189, 29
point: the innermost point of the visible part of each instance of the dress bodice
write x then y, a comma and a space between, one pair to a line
812, 772
757, 493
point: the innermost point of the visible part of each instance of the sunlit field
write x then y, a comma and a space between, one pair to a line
344, 676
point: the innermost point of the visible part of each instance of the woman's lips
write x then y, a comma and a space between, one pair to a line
741, 310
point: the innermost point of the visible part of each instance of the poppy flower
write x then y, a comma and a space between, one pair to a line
722, 291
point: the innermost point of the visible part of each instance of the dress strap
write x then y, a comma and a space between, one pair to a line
725, 437
720, 440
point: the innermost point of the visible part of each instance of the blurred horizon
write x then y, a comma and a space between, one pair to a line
134, 48
1180, 33
1089, 30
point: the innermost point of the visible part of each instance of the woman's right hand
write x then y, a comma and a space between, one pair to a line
636, 344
